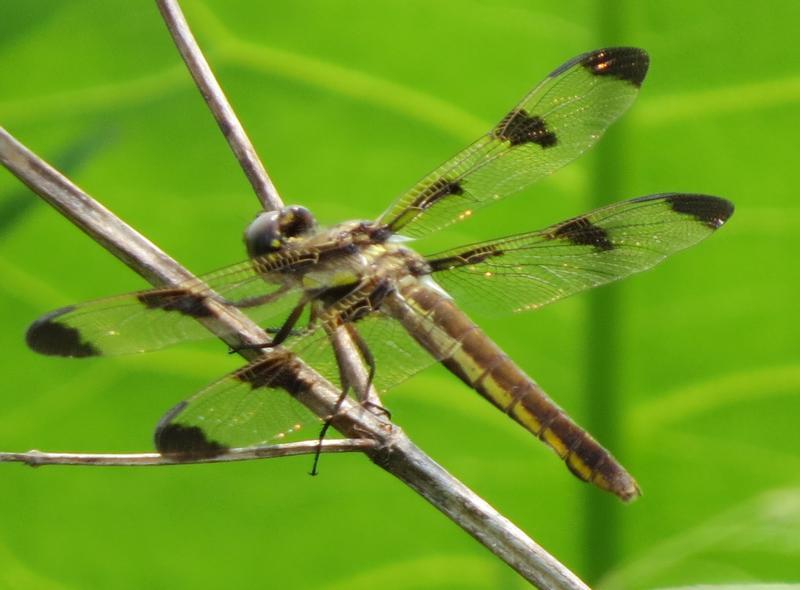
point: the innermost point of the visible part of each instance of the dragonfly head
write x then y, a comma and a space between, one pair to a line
270, 231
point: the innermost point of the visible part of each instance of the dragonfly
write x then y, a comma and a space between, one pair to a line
301, 282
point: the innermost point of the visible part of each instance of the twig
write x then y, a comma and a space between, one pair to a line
220, 107
309, 447
391, 449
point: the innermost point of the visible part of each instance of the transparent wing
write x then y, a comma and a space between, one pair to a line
556, 122
253, 406
396, 354
152, 319
530, 270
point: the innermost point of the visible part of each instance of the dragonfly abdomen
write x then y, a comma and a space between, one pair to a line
447, 333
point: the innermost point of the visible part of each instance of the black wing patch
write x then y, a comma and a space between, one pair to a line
582, 232
518, 127
712, 212
48, 336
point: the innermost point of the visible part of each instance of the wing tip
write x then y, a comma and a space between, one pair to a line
50, 337
629, 64
711, 211
178, 440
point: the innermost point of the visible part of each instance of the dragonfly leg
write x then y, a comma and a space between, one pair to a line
369, 360
367, 357
364, 400
281, 334
326, 426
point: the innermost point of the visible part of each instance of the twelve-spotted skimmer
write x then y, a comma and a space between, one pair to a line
302, 281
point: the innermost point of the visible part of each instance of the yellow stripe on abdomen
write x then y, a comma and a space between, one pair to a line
447, 333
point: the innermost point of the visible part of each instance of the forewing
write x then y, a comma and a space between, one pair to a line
555, 123
528, 271
152, 319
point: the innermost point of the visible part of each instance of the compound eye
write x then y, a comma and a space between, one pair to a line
263, 235
270, 230
296, 221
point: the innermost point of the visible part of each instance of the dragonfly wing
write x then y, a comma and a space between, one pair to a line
251, 407
156, 318
555, 123
530, 270
396, 354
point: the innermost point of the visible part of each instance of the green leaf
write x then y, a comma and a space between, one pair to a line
349, 103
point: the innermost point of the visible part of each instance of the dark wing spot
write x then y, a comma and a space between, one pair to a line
582, 232
177, 440
465, 258
180, 300
518, 127
47, 336
711, 211
278, 371
480, 254
624, 63
436, 191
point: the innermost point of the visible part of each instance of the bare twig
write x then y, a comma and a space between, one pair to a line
39, 458
388, 447
220, 107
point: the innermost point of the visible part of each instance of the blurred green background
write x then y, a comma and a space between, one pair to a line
690, 373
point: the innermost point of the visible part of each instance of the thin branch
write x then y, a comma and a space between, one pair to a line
308, 447
220, 107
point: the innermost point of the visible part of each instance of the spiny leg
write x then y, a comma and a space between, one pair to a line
366, 356
363, 395
369, 360
324, 430
282, 333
